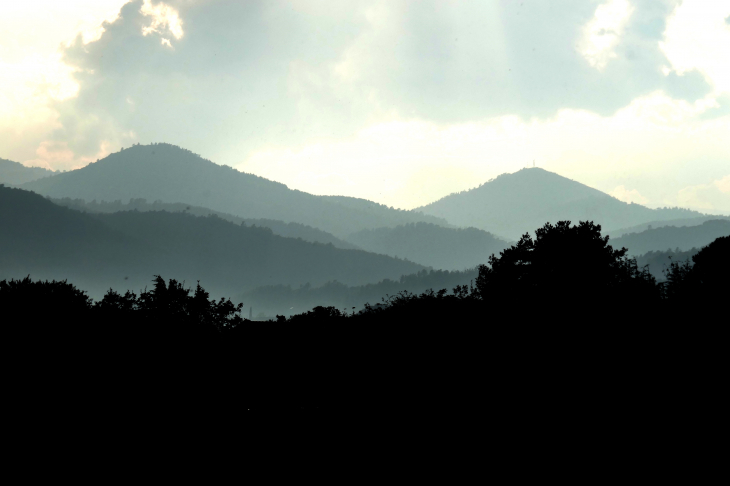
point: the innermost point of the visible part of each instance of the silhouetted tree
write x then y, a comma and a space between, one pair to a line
565, 264
706, 279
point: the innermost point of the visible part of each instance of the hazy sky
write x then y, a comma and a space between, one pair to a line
401, 102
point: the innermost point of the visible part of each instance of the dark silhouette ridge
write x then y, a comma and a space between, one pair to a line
513, 204
121, 250
288, 230
14, 173
431, 245
682, 238
174, 175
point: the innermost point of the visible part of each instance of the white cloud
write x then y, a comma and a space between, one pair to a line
164, 18
630, 196
603, 32
697, 37
713, 197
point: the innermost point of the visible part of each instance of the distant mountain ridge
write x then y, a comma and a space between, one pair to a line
172, 174
513, 204
442, 248
681, 238
288, 230
15, 173
696, 221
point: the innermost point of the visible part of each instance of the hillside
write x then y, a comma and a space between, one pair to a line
15, 174
288, 230
124, 250
431, 245
680, 238
513, 204
171, 174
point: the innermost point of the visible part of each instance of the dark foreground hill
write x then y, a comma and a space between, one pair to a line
16, 174
513, 204
172, 174
680, 238
431, 245
124, 250
288, 230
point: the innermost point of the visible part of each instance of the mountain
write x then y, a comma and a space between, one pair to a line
16, 174
172, 174
288, 230
431, 245
513, 204
681, 238
124, 250
696, 221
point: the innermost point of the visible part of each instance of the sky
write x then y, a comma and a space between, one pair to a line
397, 101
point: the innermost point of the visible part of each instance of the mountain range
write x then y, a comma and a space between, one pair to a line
239, 231
170, 174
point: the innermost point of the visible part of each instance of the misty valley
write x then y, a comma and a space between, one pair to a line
327, 301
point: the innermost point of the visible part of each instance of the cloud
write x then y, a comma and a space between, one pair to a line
629, 196
696, 38
164, 19
713, 197
249, 76
603, 32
